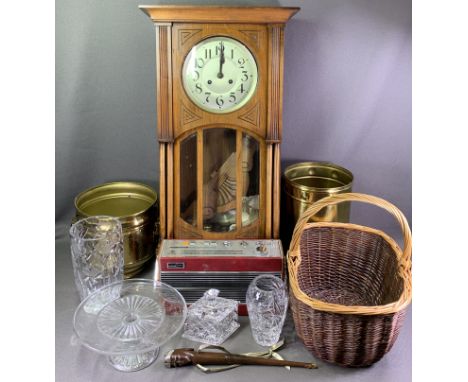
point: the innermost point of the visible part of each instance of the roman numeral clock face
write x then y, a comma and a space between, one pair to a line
219, 74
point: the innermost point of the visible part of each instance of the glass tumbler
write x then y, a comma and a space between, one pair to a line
97, 253
267, 304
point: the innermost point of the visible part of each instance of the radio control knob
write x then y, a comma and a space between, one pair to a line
262, 249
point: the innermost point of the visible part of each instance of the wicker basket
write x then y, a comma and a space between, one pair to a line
349, 285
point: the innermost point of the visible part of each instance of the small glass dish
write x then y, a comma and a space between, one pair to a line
129, 321
211, 319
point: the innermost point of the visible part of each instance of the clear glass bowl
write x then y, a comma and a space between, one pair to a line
129, 320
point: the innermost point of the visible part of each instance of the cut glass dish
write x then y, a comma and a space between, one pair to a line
129, 321
211, 319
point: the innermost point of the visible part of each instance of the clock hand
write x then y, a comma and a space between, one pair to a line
221, 61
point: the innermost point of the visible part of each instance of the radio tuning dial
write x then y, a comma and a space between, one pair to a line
262, 249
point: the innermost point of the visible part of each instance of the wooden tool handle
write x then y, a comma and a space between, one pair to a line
213, 358
184, 357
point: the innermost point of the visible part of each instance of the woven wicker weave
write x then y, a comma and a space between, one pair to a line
349, 285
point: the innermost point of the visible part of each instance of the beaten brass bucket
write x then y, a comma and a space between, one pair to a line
136, 206
307, 182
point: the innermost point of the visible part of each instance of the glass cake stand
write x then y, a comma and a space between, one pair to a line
129, 320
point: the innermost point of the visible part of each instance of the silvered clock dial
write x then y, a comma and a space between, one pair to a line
220, 74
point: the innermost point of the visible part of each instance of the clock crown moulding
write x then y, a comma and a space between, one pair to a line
218, 14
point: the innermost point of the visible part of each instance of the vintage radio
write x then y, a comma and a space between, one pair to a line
193, 266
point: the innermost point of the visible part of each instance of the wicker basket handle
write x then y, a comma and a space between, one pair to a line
355, 197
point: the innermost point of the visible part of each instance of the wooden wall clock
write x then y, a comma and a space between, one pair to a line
219, 107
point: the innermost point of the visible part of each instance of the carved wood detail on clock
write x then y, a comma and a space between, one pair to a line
249, 117
185, 230
164, 83
187, 34
275, 88
188, 116
250, 231
253, 35
252, 115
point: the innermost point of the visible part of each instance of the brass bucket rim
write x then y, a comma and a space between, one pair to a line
319, 164
152, 199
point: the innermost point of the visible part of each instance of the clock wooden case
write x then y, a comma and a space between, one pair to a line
219, 107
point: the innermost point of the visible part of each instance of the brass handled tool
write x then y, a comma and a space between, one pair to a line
189, 356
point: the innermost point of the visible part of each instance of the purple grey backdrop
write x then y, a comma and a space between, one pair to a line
347, 95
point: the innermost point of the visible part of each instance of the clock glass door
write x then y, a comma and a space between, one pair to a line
219, 180
228, 164
251, 180
188, 179
230, 180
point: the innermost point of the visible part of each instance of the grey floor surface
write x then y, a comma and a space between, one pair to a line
76, 363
